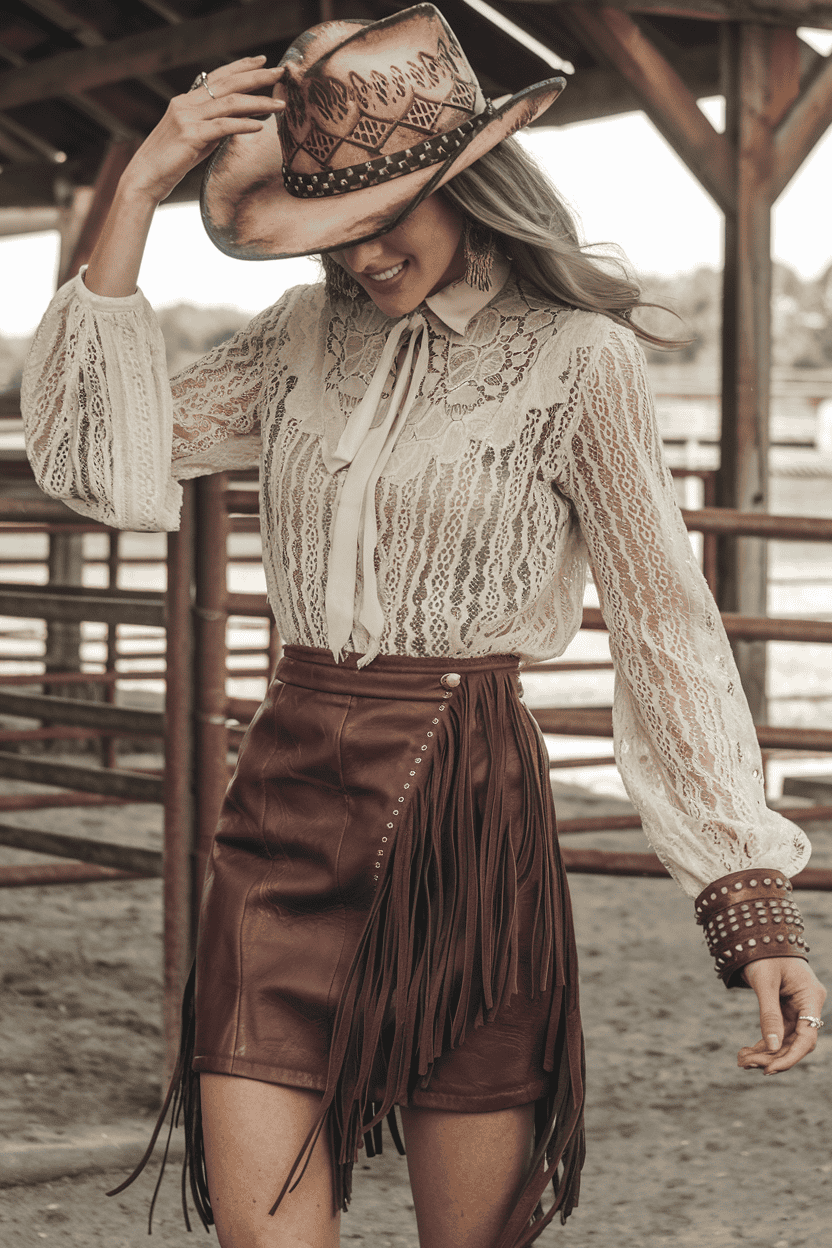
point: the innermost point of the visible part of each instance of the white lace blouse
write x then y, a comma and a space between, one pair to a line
529, 451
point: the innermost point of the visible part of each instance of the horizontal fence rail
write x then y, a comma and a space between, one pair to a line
145, 862
73, 604
107, 780
82, 714
608, 862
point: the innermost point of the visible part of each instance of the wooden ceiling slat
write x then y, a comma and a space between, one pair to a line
57, 14
664, 96
202, 39
100, 116
767, 12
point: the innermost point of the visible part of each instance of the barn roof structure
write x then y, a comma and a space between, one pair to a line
82, 81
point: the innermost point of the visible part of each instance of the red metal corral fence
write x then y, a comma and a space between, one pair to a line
209, 635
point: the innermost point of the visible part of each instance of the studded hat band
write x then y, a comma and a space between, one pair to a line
384, 168
750, 915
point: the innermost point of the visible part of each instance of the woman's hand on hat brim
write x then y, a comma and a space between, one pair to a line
196, 123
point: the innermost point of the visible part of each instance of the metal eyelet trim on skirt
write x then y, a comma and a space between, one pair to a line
417, 760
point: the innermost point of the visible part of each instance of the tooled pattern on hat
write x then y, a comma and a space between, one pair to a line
429, 98
384, 168
533, 449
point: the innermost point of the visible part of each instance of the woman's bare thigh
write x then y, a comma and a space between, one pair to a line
253, 1132
465, 1172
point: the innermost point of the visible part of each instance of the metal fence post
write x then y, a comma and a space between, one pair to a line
179, 858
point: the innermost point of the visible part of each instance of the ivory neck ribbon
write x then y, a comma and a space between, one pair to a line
364, 449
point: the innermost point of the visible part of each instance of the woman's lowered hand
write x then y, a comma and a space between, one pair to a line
786, 988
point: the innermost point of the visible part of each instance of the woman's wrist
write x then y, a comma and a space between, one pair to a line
749, 915
114, 265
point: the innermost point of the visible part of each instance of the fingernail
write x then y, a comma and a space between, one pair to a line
773, 1042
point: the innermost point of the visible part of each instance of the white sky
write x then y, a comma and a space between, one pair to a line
621, 177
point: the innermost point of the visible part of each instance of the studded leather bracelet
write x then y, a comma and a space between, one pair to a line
749, 915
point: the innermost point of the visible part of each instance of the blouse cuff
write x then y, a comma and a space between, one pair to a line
105, 303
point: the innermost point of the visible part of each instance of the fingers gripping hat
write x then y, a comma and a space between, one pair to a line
378, 116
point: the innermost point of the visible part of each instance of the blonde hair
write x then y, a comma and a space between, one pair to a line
507, 190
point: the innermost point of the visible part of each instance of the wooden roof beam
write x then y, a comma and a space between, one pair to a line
601, 92
201, 39
802, 128
764, 12
664, 96
57, 14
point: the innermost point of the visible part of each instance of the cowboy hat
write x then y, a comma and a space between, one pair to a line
378, 116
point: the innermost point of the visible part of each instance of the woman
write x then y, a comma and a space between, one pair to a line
447, 431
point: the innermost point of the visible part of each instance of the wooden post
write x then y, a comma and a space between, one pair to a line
761, 73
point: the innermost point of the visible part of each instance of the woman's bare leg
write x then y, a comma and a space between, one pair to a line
253, 1132
465, 1172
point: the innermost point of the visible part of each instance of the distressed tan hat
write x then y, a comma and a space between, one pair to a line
378, 116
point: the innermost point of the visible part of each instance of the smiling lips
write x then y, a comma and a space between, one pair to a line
386, 274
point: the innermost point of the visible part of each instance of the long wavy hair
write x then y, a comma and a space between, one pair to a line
508, 191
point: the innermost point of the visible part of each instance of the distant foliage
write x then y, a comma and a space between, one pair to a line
801, 317
189, 332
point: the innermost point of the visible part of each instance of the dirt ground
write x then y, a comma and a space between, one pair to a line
684, 1148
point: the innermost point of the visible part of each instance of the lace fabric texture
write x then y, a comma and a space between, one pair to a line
531, 451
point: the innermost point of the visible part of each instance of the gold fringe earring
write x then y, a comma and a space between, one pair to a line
338, 283
478, 250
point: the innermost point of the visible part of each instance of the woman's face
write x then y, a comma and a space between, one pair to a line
420, 256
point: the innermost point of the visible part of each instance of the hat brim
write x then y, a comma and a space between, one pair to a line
248, 213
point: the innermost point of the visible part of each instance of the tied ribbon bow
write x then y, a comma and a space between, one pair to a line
364, 449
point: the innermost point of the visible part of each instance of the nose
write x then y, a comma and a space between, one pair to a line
365, 256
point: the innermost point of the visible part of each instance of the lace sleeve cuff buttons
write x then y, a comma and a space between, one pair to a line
749, 915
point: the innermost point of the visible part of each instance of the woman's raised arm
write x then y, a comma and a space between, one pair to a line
192, 127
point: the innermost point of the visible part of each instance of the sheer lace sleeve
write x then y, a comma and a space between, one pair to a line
684, 740
103, 431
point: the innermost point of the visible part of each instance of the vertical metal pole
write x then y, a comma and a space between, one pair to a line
63, 641
211, 619
709, 540
178, 883
108, 744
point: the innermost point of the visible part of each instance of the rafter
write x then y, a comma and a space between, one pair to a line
663, 95
766, 12
57, 14
89, 108
201, 39
802, 128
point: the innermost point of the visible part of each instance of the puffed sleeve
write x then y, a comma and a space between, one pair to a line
108, 433
684, 739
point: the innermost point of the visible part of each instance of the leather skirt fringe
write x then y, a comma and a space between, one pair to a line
386, 919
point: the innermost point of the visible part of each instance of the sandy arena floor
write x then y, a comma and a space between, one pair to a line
684, 1148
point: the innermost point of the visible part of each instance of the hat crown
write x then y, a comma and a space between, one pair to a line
371, 92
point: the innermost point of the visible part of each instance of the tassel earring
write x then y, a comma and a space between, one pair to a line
338, 283
478, 250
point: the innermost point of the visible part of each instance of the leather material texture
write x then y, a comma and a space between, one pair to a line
291, 879
386, 919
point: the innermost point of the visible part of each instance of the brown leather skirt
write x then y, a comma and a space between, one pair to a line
386, 918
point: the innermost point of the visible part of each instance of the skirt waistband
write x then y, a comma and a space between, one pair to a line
389, 675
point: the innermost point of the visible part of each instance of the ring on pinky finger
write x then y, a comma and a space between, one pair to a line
812, 1019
